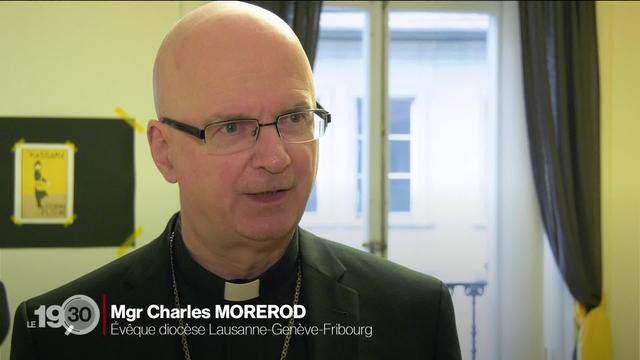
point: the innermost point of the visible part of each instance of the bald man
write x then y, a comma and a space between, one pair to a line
237, 130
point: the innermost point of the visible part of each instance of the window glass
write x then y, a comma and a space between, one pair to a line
400, 195
400, 116
312, 203
441, 169
400, 156
335, 206
441, 173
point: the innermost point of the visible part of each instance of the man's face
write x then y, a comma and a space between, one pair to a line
259, 193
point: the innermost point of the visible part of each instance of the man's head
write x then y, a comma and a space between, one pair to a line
228, 61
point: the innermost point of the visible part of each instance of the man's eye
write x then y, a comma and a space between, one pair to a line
297, 118
229, 128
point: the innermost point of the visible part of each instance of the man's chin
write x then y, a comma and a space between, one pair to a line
269, 231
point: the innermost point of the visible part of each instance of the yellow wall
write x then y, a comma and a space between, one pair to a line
82, 59
619, 49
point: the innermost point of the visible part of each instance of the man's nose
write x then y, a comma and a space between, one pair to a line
270, 152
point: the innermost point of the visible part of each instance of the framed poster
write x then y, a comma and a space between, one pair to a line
66, 182
43, 188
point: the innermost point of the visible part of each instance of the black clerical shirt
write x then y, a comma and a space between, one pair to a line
408, 315
202, 289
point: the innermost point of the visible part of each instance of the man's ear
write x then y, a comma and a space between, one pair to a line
158, 136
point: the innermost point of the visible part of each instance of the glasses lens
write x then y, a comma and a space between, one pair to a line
301, 126
230, 136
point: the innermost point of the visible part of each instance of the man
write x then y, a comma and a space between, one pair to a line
237, 131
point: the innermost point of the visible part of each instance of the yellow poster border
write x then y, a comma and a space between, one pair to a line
17, 148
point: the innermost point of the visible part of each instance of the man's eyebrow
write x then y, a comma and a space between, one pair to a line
303, 105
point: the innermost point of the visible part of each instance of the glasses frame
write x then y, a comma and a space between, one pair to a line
200, 133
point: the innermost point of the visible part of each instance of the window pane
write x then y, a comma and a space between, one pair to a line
400, 195
440, 60
359, 157
340, 71
400, 115
312, 203
359, 114
359, 198
400, 151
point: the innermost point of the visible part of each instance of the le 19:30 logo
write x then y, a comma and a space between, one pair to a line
79, 315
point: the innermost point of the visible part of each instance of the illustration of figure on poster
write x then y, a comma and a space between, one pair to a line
41, 183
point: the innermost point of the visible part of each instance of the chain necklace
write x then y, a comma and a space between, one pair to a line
176, 300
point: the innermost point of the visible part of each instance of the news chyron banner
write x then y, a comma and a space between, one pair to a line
68, 182
80, 314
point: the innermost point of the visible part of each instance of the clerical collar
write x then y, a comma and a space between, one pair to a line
273, 283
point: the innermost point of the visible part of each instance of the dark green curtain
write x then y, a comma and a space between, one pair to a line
302, 16
5, 318
561, 87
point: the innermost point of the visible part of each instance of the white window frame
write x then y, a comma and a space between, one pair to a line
518, 256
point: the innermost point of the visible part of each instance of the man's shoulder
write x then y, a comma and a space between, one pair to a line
113, 278
368, 269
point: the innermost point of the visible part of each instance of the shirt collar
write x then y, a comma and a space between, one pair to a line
274, 284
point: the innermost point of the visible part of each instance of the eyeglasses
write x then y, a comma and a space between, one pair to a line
226, 137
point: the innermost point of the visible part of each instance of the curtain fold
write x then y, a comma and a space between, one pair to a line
561, 87
304, 19
560, 65
5, 317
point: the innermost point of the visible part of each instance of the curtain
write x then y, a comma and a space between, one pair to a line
5, 318
561, 86
302, 16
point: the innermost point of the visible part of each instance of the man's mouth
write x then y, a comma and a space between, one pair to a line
269, 196
268, 193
